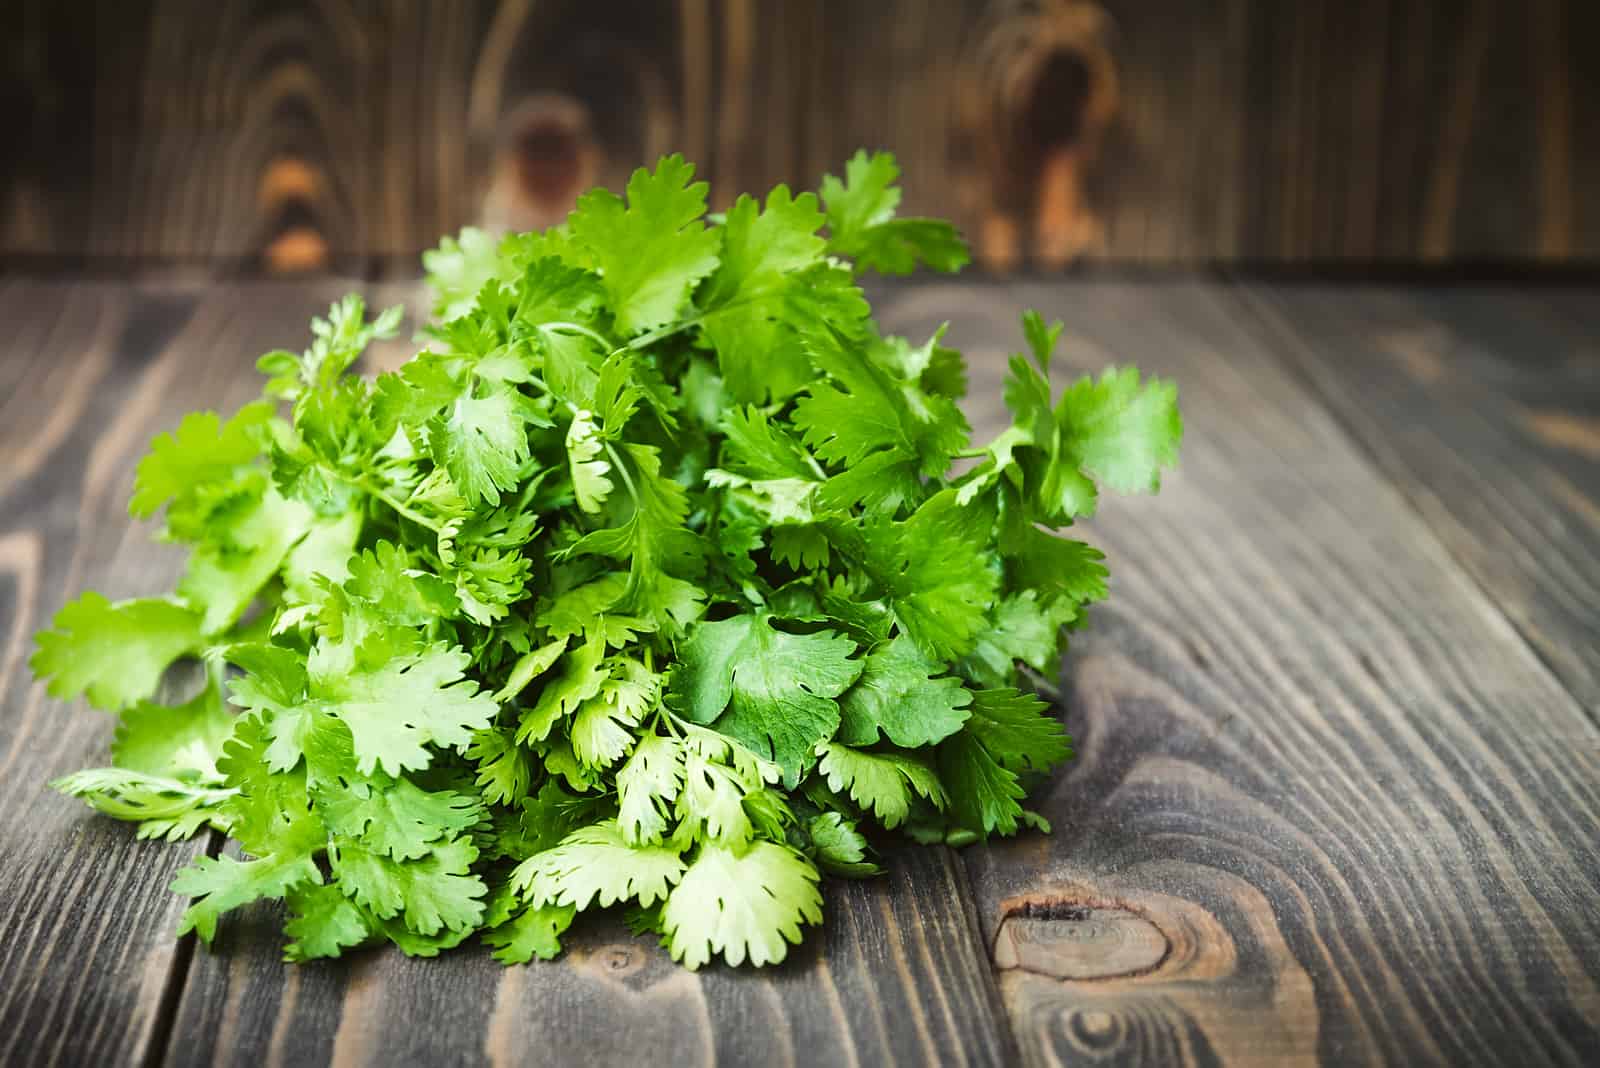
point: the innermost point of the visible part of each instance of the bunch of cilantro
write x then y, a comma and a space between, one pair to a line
658, 579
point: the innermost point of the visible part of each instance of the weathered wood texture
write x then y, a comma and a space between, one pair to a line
89, 372
349, 134
1331, 806
1483, 406
1313, 753
897, 976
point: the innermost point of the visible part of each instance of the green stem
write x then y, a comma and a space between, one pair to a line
658, 334
622, 469
666, 719
366, 485
578, 328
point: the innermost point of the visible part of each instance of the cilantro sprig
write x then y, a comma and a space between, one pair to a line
657, 579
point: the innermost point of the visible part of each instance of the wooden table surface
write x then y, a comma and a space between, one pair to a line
1339, 773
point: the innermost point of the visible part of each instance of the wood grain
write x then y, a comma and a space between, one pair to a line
1483, 405
82, 380
1313, 753
209, 136
1333, 803
89, 372
896, 976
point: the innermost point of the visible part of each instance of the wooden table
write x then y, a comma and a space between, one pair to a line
1339, 780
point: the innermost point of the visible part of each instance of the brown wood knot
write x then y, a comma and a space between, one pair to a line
546, 155
1094, 1030
618, 960
1041, 92
297, 250
287, 193
1068, 940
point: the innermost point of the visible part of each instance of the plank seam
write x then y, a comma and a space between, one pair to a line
159, 1044
987, 977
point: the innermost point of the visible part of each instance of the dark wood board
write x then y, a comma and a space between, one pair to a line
1330, 805
1483, 405
896, 976
89, 373
211, 136
88, 952
1314, 755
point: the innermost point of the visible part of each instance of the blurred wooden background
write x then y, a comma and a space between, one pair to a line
347, 135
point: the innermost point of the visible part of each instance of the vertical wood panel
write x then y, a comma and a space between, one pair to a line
318, 134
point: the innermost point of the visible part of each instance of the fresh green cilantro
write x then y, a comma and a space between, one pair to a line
768, 689
115, 654
744, 905
658, 578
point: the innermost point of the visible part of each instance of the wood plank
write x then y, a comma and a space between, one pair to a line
90, 372
205, 135
1483, 405
897, 975
1314, 756
84, 377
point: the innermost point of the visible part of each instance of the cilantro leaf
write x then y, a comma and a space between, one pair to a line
897, 696
938, 582
984, 795
396, 817
323, 922
596, 863
483, 442
880, 782
862, 225
429, 894
219, 884
646, 786
748, 298
770, 690
396, 710
1017, 731
173, 740
745, 906
1121, 432
203, 449
458, 269
652, 250
115, 654
840, 849
589, 482
163, 806
532, 932
226, 574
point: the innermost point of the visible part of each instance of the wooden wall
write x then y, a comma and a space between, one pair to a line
348, 134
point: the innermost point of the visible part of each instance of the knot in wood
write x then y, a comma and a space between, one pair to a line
1094, 1030
1079, 942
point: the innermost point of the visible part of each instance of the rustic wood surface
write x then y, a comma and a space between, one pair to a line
1338, 780
898, 977
1314, 753
207, 136
1498, 399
